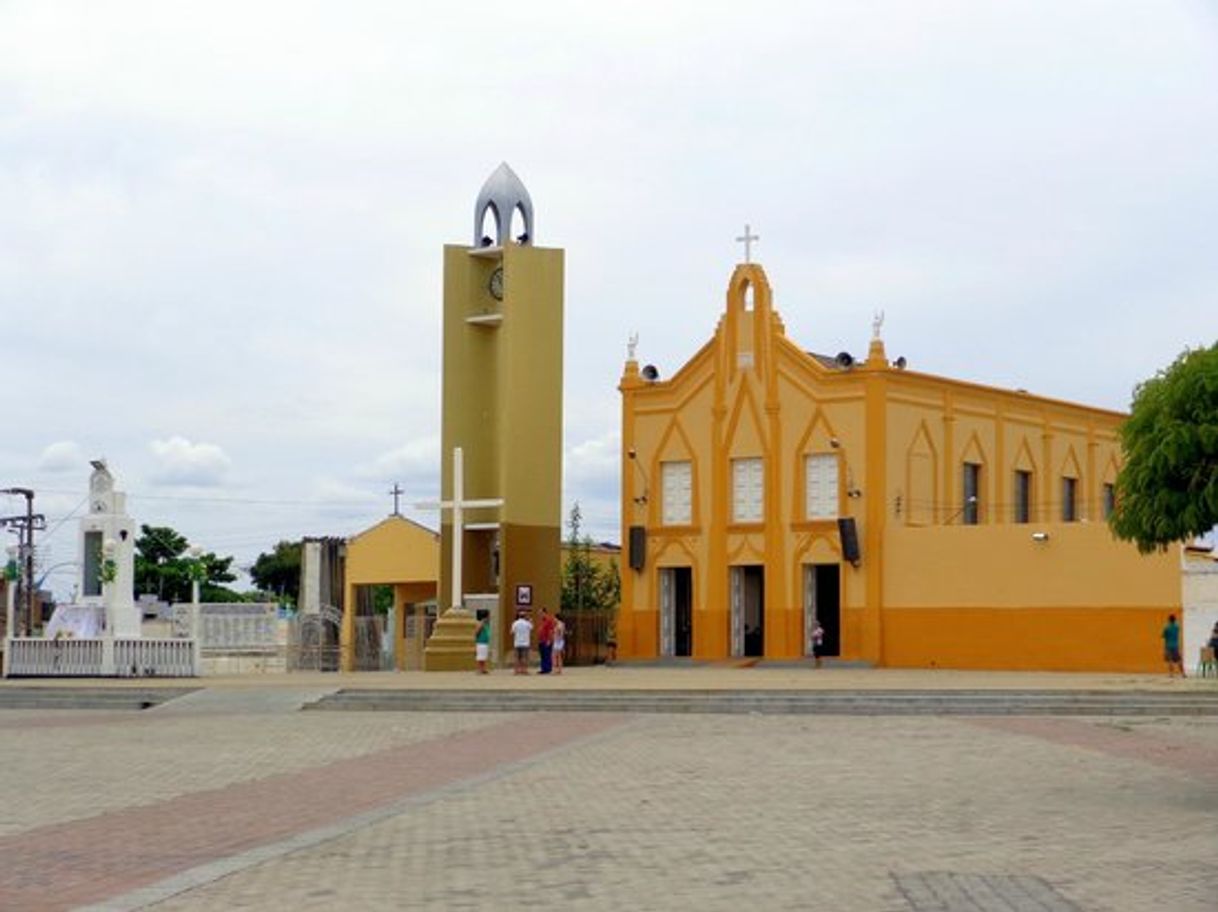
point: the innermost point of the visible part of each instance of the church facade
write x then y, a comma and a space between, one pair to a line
919, 521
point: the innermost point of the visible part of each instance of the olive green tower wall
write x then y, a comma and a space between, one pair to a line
502, 404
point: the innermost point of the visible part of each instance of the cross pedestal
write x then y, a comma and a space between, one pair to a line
451, 644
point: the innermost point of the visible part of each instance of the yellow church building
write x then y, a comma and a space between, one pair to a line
920, 521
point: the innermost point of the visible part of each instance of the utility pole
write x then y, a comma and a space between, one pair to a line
25, 526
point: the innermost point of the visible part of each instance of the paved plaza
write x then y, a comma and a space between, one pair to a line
233, 799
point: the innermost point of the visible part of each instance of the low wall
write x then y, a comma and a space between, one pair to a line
239, 638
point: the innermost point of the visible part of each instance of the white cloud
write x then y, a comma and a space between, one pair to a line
248, 202
180, 462
413, 461
62, 456
594, 462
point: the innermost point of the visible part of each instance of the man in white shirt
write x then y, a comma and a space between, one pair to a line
522, 634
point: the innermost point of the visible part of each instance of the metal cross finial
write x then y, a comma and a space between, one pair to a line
747, 239
631, 344
397, 492
877, 324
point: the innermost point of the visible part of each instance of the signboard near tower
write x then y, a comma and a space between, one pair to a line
502, 406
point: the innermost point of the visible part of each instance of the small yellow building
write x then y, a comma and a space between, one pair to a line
405, 556
399, 553
920, 521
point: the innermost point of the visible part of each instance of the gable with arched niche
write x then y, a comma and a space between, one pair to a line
818, 472
749, 325
677, 473
921, 478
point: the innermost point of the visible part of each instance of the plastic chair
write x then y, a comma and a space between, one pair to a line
1207, 667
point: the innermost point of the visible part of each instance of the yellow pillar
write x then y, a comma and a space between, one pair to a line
875, 496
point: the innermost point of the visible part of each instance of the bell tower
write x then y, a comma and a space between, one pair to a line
502, 406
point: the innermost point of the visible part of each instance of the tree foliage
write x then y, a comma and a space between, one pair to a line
163, 568
279, 571
587, 584
1167, 490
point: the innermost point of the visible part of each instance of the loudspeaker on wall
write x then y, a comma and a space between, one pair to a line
638, 547
848, 533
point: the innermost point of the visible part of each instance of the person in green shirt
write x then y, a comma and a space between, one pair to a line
482, 640
1171, 647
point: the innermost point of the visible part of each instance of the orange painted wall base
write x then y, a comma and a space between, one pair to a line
1032, 639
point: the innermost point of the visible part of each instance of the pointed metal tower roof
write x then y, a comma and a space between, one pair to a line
503, 193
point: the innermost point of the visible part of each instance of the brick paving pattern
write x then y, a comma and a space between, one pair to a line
83, 861
940, 891
445, 811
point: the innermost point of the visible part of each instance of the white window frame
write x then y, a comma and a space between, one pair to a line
821, 486
677, 493
748, 489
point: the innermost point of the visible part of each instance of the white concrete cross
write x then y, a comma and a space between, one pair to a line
459, 505
747, 239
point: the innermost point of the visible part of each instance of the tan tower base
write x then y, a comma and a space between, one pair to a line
451, 644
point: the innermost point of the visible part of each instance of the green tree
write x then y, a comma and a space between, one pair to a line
1167, 489
163, 568
587, 584
279, 571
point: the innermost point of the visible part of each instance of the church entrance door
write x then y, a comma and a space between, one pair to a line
676, 612
822, 603
748, 611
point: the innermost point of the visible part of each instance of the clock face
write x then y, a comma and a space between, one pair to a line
495, 285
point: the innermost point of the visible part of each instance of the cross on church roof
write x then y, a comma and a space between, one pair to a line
747, 239
397, 492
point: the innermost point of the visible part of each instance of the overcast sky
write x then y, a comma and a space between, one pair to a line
221, 223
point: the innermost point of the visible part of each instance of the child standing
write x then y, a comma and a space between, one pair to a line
1171, 647
560, 642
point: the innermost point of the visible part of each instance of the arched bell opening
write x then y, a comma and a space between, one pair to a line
489, 234
521, 228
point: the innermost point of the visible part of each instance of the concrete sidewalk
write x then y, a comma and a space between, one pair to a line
694, 677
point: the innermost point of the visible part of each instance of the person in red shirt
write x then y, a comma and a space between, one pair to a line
545, 641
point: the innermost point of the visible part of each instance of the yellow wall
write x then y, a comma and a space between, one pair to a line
928, 589
502, 403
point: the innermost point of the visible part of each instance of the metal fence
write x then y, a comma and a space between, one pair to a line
588, 637
313, 642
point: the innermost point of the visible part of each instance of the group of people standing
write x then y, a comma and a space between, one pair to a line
551, 641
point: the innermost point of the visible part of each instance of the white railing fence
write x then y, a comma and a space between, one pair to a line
95, 658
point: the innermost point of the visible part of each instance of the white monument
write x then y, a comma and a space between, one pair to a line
107, 550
